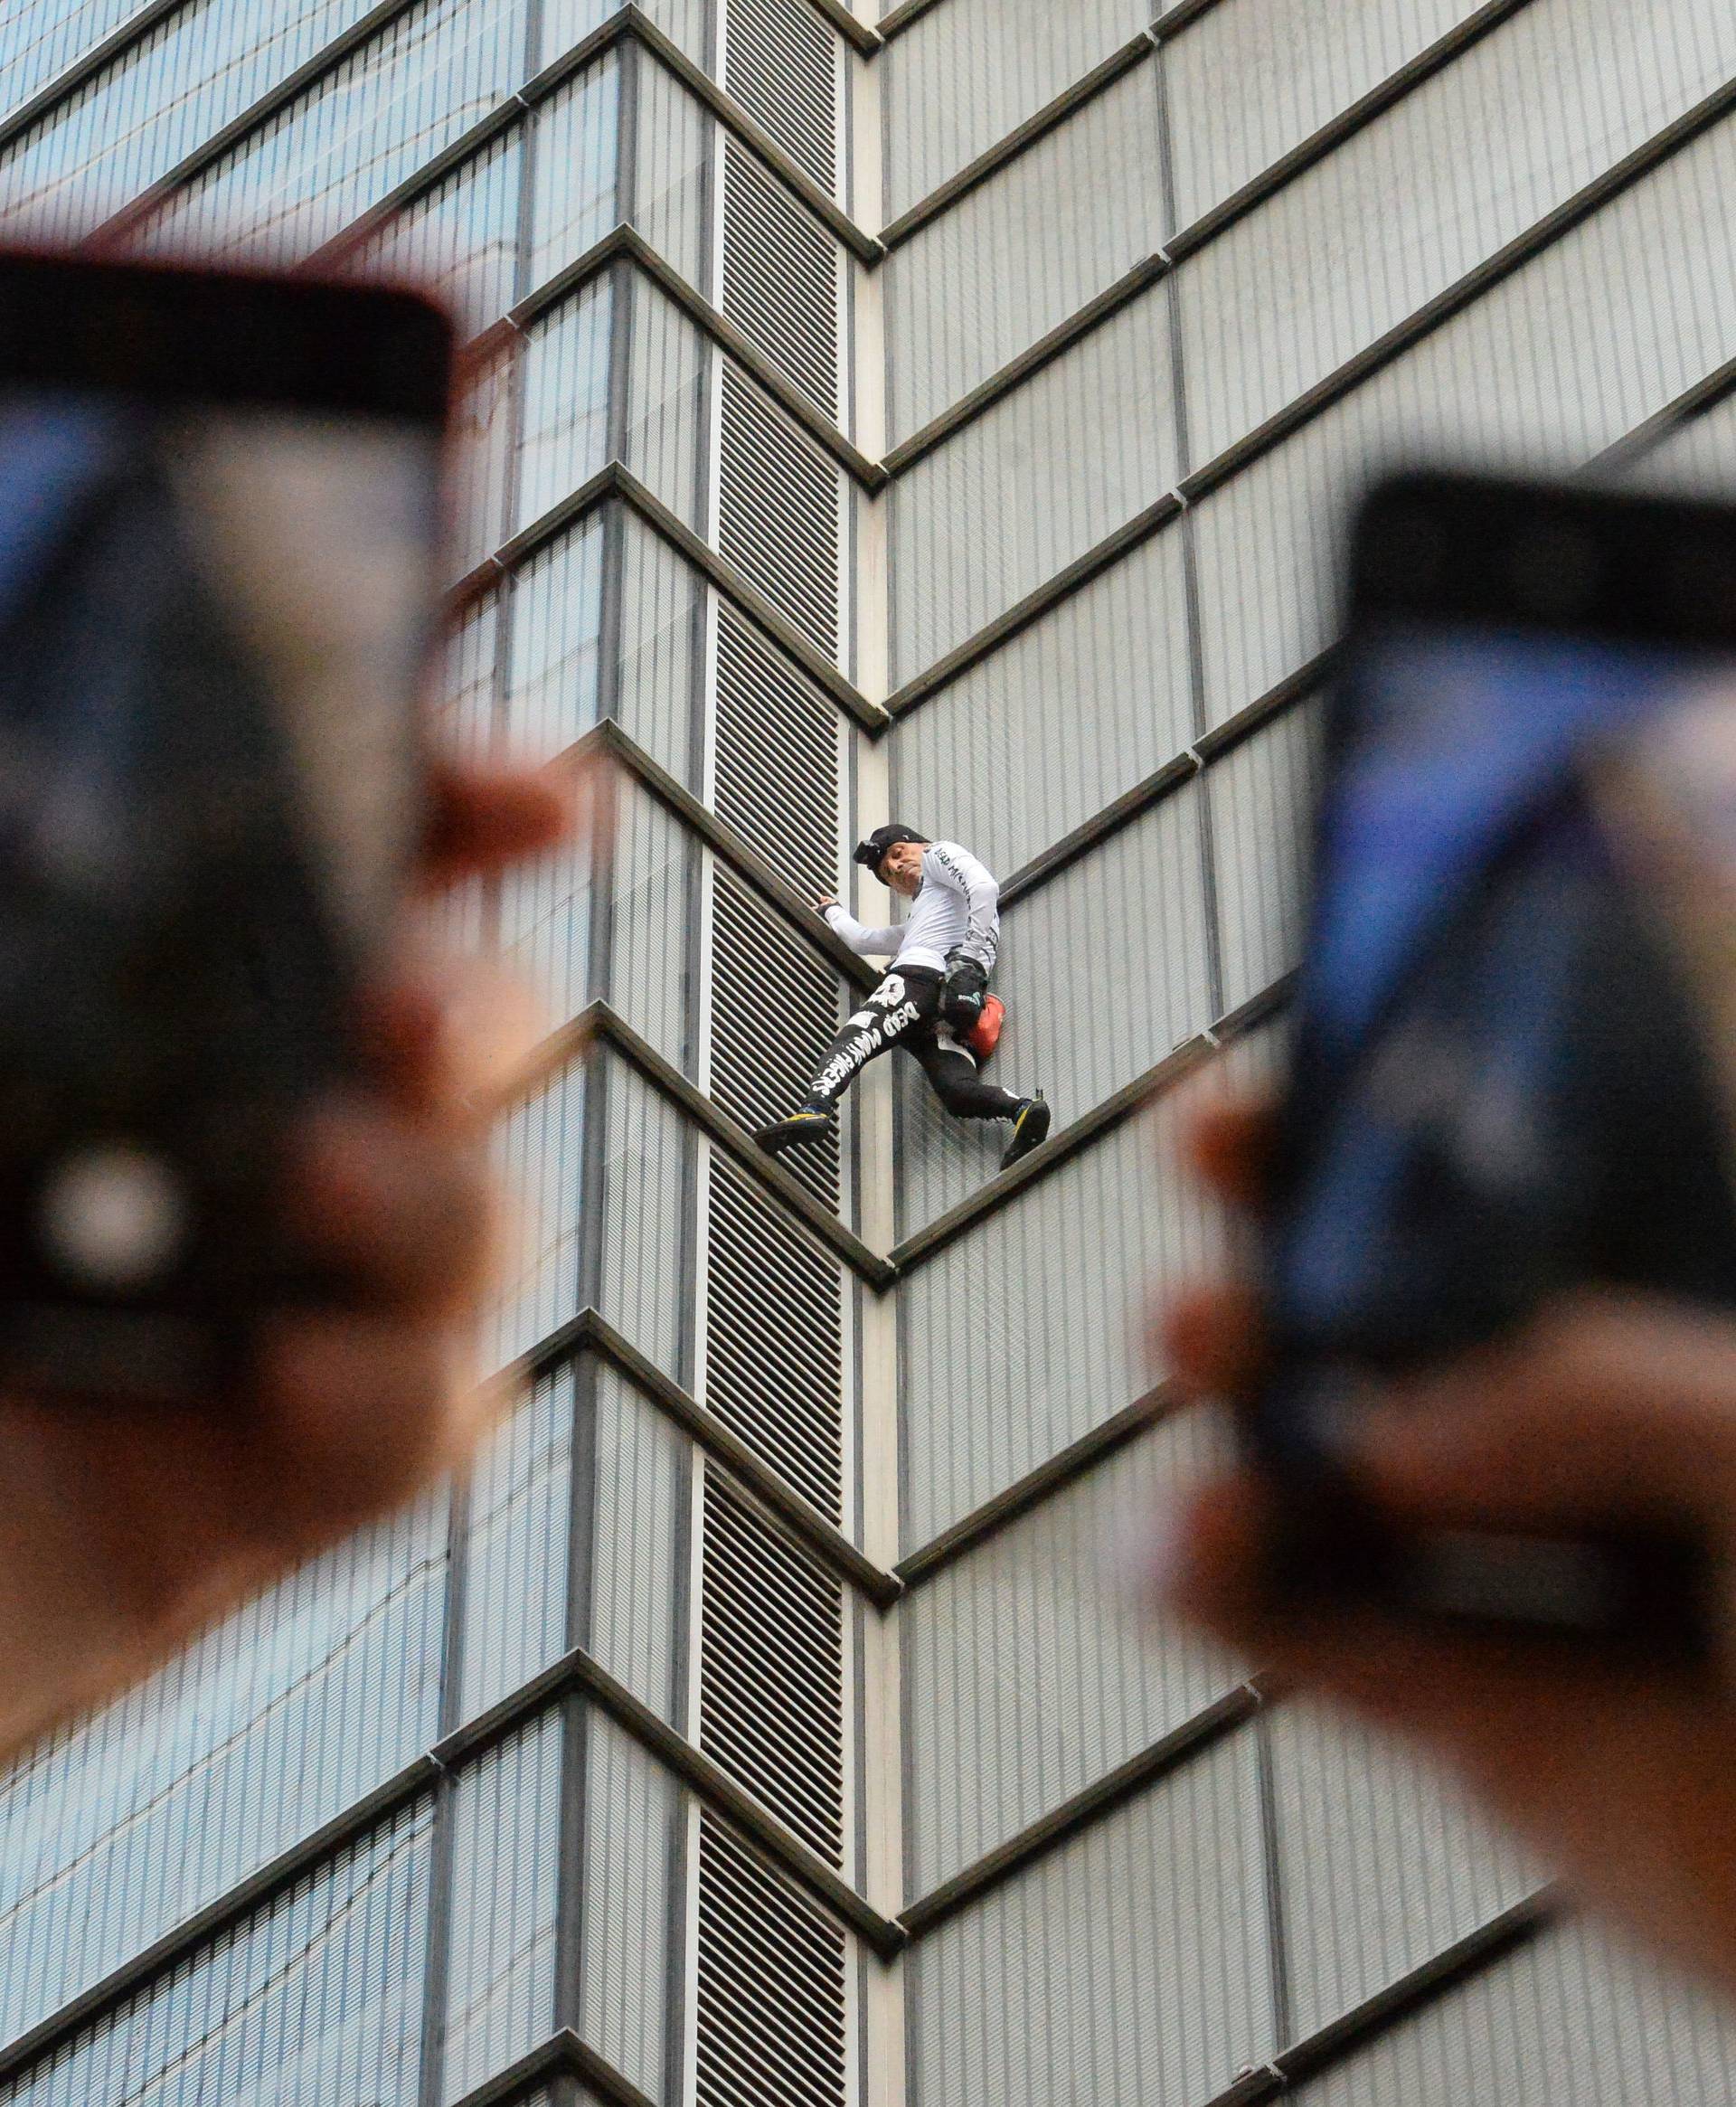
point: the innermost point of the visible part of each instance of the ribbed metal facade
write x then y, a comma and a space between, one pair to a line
959, 432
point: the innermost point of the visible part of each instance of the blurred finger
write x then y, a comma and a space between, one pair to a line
359, 1413
1212, 1341
484, 819
1480, 1701
1603, 1409
447, 1040
1230, 1147
397, 1208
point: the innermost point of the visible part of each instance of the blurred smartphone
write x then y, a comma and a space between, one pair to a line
1513, 1066
220, 534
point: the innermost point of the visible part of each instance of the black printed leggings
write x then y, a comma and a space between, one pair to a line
904, 1011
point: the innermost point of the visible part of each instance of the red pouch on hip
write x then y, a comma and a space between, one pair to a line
985, 1035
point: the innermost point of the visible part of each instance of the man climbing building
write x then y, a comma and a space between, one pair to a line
931, 1000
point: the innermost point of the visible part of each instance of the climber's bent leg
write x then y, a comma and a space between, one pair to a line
904, 1005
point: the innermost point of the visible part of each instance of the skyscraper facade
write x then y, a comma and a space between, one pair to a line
944, 417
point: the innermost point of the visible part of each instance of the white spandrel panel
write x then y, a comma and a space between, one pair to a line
1250, 80
1031, 1668
969, 71
1126, 1968
1574, 2016
1053, 1293
1047, 473
1039, 737
1466, 163
1385, 1863
1023, 252
1603, 329
1262, 801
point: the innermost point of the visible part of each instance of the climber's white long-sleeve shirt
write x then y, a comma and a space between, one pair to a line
956, 913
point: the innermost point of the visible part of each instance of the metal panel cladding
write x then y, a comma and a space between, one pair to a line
1037, 739
969, 71
374, 118
1032, 485
1352, 246
461, 240
1023, 252
506, 1873
269, 1726
518, 1532
47, 36
1029, 1673
1383, 1863
191, 74
1251, 80
318, 1997
1126, 1967
1260, 796
1608, 323
1103, 1236
1570, 2016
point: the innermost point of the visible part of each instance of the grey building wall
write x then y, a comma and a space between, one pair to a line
948, 415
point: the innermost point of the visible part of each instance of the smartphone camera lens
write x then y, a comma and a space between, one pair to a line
112, 1218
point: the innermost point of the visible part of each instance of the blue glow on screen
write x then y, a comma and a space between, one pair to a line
1456, 735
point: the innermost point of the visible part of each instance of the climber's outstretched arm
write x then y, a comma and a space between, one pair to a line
872, 943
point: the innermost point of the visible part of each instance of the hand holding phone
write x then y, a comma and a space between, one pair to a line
240, 1158
218, 589
1510, 1073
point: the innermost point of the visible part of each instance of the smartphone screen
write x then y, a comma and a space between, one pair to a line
220, 539
1507, 1075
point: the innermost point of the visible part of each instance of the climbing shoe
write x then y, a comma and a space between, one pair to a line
1030, 1129
810, 1123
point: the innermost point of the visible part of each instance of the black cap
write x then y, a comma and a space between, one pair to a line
871, 853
